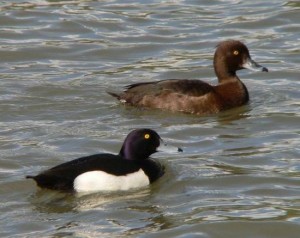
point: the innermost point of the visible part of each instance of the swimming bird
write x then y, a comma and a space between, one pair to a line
196, 96
131, 168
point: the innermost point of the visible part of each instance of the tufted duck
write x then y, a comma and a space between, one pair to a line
131, 168
196, 96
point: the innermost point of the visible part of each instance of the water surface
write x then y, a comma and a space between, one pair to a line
239, 175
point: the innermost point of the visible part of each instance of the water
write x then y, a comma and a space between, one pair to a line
239, 175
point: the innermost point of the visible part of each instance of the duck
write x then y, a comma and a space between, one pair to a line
196, 96
130, 169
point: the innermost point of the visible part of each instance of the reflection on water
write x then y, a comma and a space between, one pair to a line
239, 173
59, 202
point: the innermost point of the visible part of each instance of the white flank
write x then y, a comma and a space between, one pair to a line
100, 181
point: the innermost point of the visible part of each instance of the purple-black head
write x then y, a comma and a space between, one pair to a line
141, 143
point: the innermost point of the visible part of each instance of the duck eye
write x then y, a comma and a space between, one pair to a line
236, 52
146, 136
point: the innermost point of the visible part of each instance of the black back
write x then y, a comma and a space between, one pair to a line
61, 177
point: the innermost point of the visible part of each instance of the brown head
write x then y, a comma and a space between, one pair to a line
230, 56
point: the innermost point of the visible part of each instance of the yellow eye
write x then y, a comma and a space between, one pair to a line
146, 136
236, 52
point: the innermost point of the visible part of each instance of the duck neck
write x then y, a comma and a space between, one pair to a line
223, 72
129, 153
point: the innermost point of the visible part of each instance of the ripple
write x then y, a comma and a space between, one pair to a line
239, 173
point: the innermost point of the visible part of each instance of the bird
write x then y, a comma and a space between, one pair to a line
131, 168
196, 96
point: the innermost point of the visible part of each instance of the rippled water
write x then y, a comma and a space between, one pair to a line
239, 175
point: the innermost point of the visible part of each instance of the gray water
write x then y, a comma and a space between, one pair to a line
239, 175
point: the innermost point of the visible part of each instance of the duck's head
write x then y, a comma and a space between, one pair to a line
141, 143
233, 55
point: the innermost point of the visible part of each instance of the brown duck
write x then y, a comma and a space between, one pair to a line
196, 96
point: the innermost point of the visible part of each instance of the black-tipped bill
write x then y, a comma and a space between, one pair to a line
252, 65
163, 147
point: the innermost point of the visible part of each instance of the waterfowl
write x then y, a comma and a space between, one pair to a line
131, 168
196, 96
